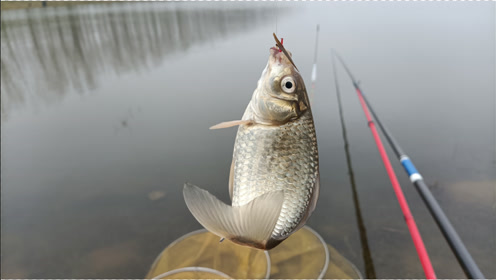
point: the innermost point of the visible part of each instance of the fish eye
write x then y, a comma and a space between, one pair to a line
288, 85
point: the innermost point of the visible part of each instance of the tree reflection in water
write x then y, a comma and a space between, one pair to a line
47, 53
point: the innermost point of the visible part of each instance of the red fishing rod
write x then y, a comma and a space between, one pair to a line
410, 221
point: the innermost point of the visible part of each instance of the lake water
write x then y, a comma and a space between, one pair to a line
106, 109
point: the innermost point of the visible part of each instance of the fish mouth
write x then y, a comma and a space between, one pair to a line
280, 48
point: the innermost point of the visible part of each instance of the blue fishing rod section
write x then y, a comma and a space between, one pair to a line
461, 253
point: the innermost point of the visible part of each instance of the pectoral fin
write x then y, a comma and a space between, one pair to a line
250, 225
231, 123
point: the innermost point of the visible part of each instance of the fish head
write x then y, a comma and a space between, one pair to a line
281, 94
283, 81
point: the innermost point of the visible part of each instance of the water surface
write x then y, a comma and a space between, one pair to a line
106, 109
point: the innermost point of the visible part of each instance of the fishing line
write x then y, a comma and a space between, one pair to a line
367, 257
463, 256
276, 16
410, 221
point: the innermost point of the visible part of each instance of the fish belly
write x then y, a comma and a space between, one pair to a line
275, 158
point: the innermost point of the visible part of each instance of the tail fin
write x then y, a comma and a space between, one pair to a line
251, 224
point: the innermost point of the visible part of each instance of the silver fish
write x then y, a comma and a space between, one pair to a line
274, 179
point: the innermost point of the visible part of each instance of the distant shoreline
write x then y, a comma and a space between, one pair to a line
14, 5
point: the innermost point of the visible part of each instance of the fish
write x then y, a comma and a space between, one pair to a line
274, 177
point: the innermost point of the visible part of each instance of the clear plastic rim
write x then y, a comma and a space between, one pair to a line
360, 276
326, 266
267, 256
172, 244
326, 251
192, 269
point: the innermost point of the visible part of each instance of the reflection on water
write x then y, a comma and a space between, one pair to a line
45, 52
92, 185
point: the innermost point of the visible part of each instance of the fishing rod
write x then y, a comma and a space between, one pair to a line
463, 256
410, 221
314, 68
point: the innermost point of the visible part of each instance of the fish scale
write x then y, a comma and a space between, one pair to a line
286, 159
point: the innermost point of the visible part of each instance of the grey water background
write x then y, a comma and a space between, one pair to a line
106, 109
